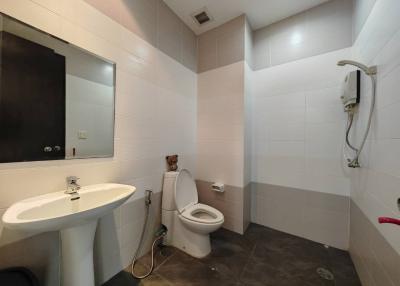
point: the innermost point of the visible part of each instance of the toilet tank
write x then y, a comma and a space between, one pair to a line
168, 191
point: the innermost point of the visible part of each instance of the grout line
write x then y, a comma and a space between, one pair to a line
248, 261
162, 277
165, 260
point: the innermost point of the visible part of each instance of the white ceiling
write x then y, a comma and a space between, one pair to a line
259, 12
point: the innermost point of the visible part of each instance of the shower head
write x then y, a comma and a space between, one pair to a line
364, 68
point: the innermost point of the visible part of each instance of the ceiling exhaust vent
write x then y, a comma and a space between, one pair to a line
202, 17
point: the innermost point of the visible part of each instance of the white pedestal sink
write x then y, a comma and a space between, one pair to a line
75, 219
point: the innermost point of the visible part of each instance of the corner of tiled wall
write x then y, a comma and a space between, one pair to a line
374, 247
150, 86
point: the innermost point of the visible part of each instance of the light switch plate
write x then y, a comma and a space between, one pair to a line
82, 134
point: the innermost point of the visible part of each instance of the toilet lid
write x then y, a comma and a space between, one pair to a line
185, 190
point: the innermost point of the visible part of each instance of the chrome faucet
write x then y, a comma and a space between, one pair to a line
73, 187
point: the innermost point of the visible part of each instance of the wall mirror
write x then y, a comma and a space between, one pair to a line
56, 100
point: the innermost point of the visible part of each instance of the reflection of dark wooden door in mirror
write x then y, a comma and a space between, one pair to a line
32, 101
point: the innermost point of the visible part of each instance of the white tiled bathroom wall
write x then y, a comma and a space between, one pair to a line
299, 182
155, 115
298, 124
375, 190
220, 145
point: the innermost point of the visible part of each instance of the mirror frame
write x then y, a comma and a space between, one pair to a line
114, 64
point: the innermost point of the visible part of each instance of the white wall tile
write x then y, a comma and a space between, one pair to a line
374, 188
298, 124
155, 115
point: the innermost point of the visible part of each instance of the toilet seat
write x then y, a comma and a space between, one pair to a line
189, 223
201, 213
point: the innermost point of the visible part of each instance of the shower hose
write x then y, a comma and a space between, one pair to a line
159, 237
354, 163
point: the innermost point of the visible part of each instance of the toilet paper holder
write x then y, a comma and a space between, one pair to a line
218, 187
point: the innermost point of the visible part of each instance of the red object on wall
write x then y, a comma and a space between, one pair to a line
389, 220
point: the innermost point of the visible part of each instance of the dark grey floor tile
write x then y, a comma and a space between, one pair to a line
140, 269
305, 251
124, 278
262, 273
230, 253
162, 253
285, 243
225, 236
343, 268
183, 269
281, 269
155, 280
261, 257
289, 252
256, 233
284, 259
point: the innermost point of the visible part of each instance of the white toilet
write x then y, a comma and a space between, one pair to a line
189, 223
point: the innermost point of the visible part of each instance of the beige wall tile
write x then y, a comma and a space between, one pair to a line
169, 32
233, 194
207, 51
141, 18
246, 206
189, 48
322, 29
230, 203
376, 261
152, 21
220, 129
261, 49
112, 9
317, 216
230, 48
222, 46
234, 26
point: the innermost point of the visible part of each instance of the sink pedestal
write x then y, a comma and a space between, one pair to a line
75, 219
77, 255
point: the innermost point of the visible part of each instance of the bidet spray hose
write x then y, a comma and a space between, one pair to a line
134, 259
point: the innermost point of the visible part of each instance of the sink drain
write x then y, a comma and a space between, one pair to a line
325, 274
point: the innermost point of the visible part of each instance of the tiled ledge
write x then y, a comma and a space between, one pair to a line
317, 216
376, 261
231, 203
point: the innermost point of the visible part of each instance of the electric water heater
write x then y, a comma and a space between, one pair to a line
351, 90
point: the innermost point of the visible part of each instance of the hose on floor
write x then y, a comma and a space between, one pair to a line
159, 237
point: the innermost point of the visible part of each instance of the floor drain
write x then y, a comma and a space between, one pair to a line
325, 274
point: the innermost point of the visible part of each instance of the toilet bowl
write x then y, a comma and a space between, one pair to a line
189, 223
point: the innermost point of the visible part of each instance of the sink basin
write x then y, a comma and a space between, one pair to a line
56, 211
75, 219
